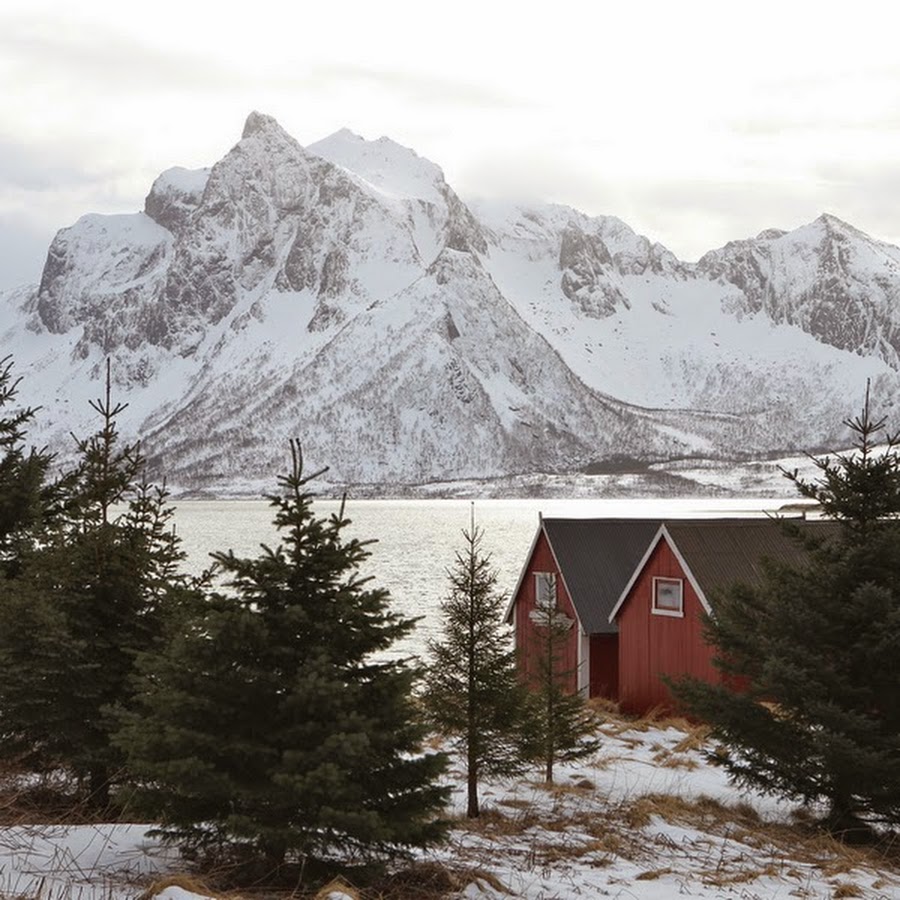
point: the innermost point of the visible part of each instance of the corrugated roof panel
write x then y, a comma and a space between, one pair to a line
721, 552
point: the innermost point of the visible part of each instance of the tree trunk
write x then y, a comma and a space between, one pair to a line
274, 852
845, 824
98, 787
472, 810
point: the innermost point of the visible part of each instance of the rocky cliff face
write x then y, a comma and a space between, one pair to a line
344, 294
829, 279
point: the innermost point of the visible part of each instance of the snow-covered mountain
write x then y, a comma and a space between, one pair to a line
344, 294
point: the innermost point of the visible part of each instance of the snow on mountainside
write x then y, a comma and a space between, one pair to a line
174, 197
396, 171
343, 293
673, 340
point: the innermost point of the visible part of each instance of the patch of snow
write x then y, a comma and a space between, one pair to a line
393, 170
184, 181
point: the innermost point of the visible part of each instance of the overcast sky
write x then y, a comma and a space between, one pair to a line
695, 122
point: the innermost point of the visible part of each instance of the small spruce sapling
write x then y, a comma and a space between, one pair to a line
562, 728
473, 693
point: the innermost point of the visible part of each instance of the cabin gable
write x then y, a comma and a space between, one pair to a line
592, 559
660, 619
527, 612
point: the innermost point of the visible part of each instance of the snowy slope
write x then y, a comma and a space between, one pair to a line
344, 294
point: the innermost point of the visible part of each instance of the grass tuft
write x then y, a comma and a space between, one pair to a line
338, 889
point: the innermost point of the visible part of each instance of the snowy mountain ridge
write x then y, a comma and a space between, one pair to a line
343, 293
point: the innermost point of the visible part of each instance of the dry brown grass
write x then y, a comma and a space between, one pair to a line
50, 799
23, 800
431, 881
666, 759
732, 848
417, 881
604, 708
797, 844
571, 824
652, 874
494, 822
847, 890
696, 737
616, 723
340, 888
703, 813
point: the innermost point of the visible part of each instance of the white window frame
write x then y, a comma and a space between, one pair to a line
667, 611
551, 582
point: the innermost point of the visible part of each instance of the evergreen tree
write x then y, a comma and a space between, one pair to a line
816, 645
275, 726
25, 497
473, 692
562, 726
90, 595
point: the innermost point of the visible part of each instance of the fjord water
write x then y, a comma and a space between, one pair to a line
415, 540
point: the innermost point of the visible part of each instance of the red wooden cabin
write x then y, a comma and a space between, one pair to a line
636, 591
660, 611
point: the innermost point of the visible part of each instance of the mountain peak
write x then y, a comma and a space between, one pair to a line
387, 166
175, 194
258, 122
345, 134
771, 234
832, 220
832, 226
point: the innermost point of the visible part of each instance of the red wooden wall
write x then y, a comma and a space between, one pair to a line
654, 645
528, 636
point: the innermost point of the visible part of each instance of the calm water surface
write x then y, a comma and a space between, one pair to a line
417, 539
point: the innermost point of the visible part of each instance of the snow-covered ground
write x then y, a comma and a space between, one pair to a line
93, 862
646, 817
649, 817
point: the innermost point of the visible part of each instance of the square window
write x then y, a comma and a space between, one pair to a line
545, 590
668, 597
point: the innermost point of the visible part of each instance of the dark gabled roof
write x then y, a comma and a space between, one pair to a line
720, 552
596, 557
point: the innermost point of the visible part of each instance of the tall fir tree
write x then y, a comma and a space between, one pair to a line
562, 727
90, 595
26, 497
275, 725
816, 646
472, 690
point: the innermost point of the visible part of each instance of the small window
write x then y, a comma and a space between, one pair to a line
668, 597
545, 590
